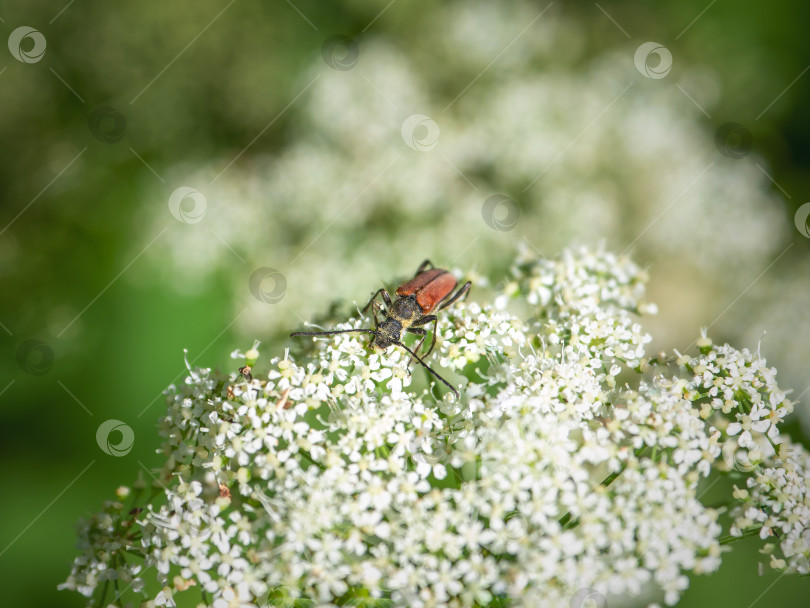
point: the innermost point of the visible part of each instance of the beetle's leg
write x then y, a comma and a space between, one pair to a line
385, 296
461, 291
419, 331
375, 308
435, 320
428, 368
424, 321
423, 266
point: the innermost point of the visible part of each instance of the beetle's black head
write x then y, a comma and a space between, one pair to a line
388, 333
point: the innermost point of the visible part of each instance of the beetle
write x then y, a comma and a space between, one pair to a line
430, 289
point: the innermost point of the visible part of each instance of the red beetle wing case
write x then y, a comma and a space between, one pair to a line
419, 282
429, 287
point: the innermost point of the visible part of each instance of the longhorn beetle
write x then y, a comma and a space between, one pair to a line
430, 289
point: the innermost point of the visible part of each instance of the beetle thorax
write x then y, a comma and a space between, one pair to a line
388, 332
403, 312
406, 310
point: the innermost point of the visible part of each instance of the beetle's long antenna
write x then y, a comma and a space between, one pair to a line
332, 333
427, 367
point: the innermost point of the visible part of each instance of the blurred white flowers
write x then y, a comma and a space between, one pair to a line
571, 465
589, 150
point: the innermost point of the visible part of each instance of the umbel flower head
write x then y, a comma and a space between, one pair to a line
570, 468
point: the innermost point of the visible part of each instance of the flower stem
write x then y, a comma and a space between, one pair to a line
103, 593
727, 540
565, 519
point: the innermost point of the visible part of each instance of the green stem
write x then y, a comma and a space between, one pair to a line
117, 591
565, 519
727, 540
612, 477
135, 553
308, 457
103, 593
722, 505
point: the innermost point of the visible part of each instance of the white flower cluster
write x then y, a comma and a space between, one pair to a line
740, 385
103, 541
562, 470
776, 504
584, 158
774, 500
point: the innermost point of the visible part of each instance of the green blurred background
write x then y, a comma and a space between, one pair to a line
95, 320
